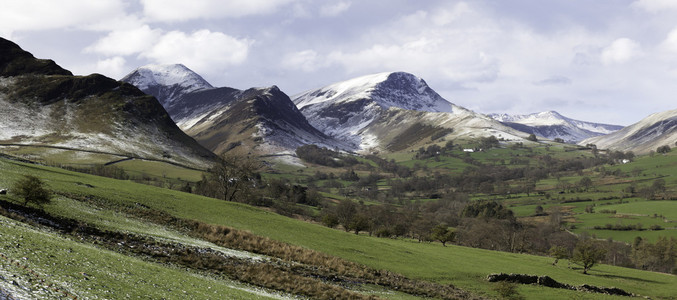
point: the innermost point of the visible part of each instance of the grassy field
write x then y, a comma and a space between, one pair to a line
463, 267
154, 169
86, 271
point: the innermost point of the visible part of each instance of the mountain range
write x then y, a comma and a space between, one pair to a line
256, 120
392, 111
186, 119
552, 125
45, 105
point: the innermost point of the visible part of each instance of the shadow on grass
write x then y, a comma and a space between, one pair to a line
613, 276
605, 274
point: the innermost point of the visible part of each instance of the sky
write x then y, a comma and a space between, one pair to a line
612, 61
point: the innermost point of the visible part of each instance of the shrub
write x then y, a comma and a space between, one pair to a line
656, 227
663, 149
507, 290
330, 220
32, 190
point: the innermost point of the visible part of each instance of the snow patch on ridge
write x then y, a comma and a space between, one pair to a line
551, 125
390, 89
167, 75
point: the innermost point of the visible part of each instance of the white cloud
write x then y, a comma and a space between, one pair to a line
452, 43
306, 60
620, 51
655, 6
420, 57
203, 51
446, 16
554, 80
113, 67
21, 15
182, 10
335, 9
670, 42
126, 42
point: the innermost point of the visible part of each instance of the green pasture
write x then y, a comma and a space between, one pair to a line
665, 208
461, 266
155, 169
89, 272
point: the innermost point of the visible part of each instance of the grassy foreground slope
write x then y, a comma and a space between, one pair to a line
69, 267
463, 267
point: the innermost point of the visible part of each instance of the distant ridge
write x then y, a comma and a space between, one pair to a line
552, 125
659, 129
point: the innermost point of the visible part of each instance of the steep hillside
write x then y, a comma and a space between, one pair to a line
258, 120
46, 105
656, 130
391, 111
552, 125
263, 120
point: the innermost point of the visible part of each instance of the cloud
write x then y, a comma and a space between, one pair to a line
554, 80
419, 57
442, 43
306, 60
203, 51
126, 42
182, 10
113, 67
655, 6
335, 9
670, 42
620, 51
23, 15
447, 16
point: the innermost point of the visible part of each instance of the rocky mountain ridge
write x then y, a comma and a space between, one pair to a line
43, 104
259, 120
356, 111
552, 125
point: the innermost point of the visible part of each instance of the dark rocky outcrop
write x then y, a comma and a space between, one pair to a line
15, 61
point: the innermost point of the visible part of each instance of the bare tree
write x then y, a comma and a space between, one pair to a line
231, 179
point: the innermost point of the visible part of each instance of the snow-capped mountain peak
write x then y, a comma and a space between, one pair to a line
390, 89
166, 82
545, 118
551, 125
391, 111
168, 75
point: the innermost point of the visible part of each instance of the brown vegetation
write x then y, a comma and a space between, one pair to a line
300, 261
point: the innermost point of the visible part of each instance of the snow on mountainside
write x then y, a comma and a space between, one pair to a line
648, 134
356, 110
166, 82
47, 106
552, 125
224, 119
397, 89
